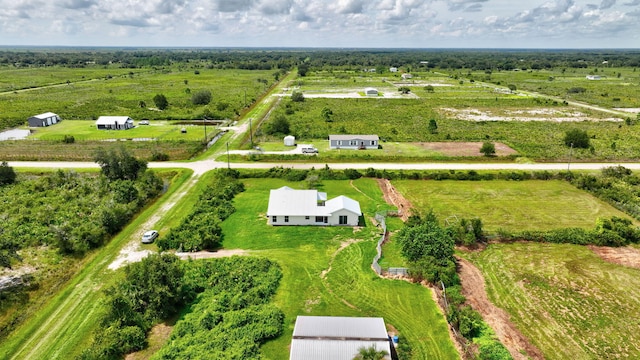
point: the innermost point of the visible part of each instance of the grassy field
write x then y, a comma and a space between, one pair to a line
565, 299
158, 130
14, 79
611, 91
321, 278
509, 205
232, 91
526, 123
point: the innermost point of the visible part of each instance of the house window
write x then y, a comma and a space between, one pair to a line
342, 220
306, 218
286, 219
274, 219
373, 142
319, 219
339, 142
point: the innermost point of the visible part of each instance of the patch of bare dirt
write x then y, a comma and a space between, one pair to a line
393, 197
625, 256
551, 115
473, 288
158, 336
465, 148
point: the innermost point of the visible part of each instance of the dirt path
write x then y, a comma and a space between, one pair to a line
626, 256
473, 288
393, 197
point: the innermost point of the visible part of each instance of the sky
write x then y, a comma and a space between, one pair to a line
319, 23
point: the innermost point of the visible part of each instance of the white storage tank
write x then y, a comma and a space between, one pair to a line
290, 140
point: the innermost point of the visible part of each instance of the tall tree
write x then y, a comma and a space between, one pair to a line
119, 165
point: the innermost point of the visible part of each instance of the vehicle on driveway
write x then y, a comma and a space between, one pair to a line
309, 150
149, 236
143, 122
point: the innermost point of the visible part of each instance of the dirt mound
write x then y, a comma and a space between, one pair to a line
393, 197
626, 256
473, 289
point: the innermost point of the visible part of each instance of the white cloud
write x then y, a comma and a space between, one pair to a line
381, 23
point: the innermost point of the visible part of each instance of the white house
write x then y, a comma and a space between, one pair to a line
338, 338
371, 91
393, 69
45, 119
114, 123
406, 76
290, 140
594, 77
310, 207
354, 142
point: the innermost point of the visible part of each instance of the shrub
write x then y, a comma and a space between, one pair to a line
297, 96
7, 174
68, 139
202, 97
577, 138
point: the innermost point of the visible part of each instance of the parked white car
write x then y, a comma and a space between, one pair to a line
149, 236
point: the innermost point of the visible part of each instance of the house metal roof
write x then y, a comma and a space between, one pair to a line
45, 115
287, 201
353, 137
336, 338
108, 120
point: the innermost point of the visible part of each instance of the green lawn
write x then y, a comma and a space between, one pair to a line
509, 205
321, 279
86, 130
565, 299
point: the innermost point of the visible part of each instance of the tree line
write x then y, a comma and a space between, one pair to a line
320, 59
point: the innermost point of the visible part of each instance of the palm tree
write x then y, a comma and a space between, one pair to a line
370, 353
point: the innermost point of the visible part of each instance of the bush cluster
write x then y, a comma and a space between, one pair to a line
231, 311
201, 229
69, 211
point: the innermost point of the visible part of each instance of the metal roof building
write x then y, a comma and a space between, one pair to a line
288, 206
337, 338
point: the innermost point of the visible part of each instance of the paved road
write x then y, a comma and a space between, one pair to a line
200, 167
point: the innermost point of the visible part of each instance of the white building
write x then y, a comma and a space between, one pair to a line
337, 338
114, 123
371, 91
393, 69
290, 140
406, 76
310, 207
594, 77
354, 142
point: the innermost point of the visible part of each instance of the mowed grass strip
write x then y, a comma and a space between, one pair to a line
508, 205
326, 270
565, 299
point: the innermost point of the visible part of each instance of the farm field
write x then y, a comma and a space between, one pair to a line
565, 299
509, 205
464, 112
611, 91
232, 91
327, 270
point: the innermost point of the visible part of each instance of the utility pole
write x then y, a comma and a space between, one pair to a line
570, 153
204, 121
250, 133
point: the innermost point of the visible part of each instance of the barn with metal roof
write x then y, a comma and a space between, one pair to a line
338, 338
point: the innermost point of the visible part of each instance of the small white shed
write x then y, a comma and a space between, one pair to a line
371, 91
290, 140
